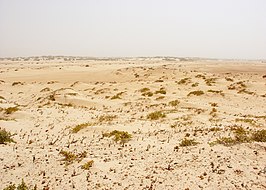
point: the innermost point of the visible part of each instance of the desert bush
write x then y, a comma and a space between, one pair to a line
184, 81
87, 165
106, 118
188, 142
5, 136
70, 157
149, 94
79, 127
11, 110
21, 186
161, 91
156, 115
144, 90
174, 103
119, 136
196, 93
210, 81
259, 136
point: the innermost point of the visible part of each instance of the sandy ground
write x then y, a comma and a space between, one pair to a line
53, 96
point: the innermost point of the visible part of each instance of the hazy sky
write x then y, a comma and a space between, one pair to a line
193, 28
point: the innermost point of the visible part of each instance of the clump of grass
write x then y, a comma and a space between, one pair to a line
149, 94
174, 103
213, 112
214, 104
70, 157
17, 83
188, 142
79, 127
259, 136
200, 76
160, 98
117, 96
5, 136
215, 129
159, 80
156, 115
161, 91
210, 81
144, 90
11, 110
106, 118
247, 120
87, 165
226, 141
2, 98
195, 84
240, 136
229, 79
196, 93
119, 136
216, 92
184, 81
21, 186
237, 86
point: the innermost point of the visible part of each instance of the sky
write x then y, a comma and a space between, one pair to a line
130, 28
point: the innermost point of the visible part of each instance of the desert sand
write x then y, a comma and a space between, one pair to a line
71, 104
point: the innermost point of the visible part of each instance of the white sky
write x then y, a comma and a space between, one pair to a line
192, 28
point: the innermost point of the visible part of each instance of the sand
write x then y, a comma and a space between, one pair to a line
55, 94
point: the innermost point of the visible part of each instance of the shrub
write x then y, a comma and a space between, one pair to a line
119, 136
87, 165
70, 157
144, 90
174, 103
196, 93
21, 186
11, 110
161, 91
259, 136
5, 136
77, 128
184, 81
188, 142
107, 118
156, 115
149, 94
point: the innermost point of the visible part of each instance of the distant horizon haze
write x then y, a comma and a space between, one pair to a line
122, 28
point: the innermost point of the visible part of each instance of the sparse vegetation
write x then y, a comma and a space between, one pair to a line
216, 92
79, 127
87, 165
196, 93
188, 142
119, 136
70, 157
174, 103
117, 96
156, 115
11, 110
184, 81
210, 81
149, 94
21, 186
161, 91
5, 136
144, 90
17, 83
106, 118
259, 136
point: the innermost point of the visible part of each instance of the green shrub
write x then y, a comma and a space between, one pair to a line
174, 103
70, 157
119, 136
188, 142
87, 165
156, 115
5, 136
196, 93
11, 110
259, 136
77, 128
